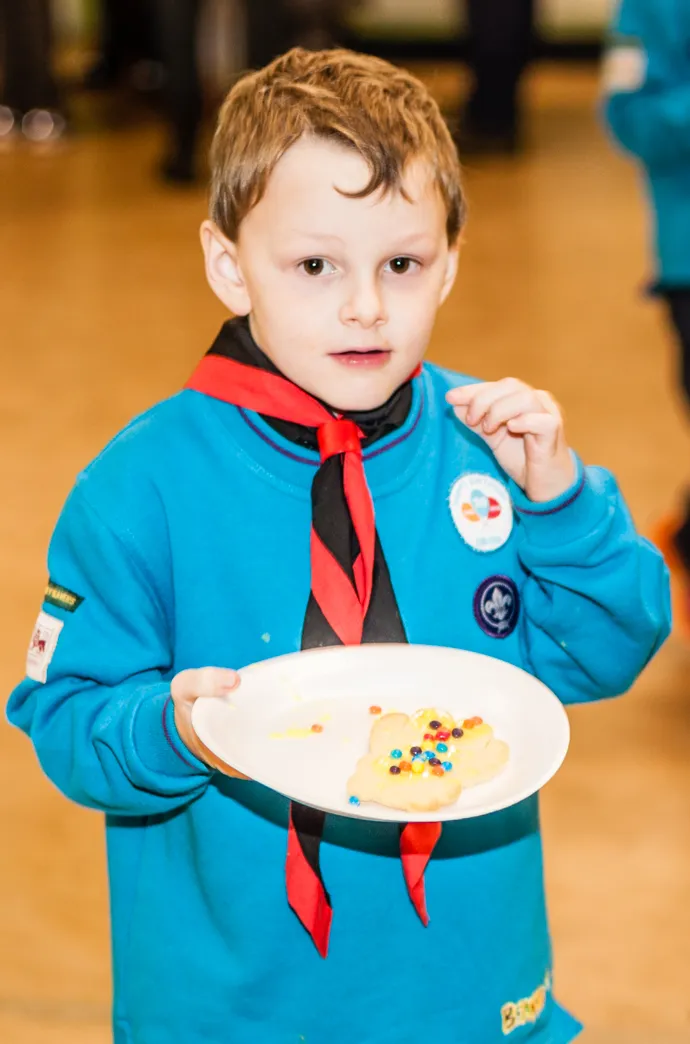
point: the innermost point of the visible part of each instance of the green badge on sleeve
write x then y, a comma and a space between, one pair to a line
61, 597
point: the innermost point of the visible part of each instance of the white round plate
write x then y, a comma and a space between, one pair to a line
264, 728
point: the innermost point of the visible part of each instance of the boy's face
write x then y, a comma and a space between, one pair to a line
341, 293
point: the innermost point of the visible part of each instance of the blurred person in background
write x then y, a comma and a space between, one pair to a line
29, 102
647, 106
501, 36
177, 29
154, 43
138, 34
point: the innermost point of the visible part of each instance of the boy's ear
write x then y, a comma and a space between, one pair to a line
451, 271
223, 270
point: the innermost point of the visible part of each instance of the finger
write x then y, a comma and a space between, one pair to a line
488, 394
207, 681
513, 405
549, 404
543, 425
462, 395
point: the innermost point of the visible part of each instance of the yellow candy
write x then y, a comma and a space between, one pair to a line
418, 767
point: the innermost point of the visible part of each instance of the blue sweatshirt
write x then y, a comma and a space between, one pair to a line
188, 542
647, 85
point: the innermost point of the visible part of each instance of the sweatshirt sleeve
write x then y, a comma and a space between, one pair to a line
646, 105
96, 699
596, 596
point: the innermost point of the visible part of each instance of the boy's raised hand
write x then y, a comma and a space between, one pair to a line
186, 688
523, 428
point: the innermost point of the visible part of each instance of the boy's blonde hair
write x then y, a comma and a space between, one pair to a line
366, 104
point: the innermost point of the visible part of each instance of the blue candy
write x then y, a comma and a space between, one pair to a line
429, 754
441, 748
354, 800
447, 765
419, 757
396, 753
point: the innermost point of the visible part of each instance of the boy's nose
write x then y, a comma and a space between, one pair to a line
364, 306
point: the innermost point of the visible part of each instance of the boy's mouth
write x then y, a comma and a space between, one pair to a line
371, 357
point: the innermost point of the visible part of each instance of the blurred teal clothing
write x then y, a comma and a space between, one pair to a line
647, 107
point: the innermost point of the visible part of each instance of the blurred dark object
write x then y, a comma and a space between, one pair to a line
29, 96
500, 47
177, 28
274, 26
127, 40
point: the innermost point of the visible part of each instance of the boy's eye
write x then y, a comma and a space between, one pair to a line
401, 265
316, 266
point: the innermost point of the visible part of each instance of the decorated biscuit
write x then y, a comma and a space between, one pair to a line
421, 763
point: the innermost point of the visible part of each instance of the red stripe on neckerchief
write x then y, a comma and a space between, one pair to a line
344, 600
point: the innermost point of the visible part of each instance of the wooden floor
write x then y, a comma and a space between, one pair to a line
104, 309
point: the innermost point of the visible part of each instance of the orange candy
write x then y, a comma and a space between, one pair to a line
470, 723
438, 771
317, 728
374, 710
405, 766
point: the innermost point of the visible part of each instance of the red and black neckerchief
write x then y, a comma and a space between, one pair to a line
352, 598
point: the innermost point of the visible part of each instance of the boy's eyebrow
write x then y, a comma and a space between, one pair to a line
320, 236
324, 237
415, 237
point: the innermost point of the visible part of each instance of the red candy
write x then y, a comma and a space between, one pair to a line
429, 736
443, 735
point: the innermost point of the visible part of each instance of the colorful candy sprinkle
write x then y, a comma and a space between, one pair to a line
418, 766
405, 766
415, 750
434, 761
441, 748
438, 771
396, 753
374, 709
354, 800
447, 765
473, 722
394, 770
434, 724
458, 733
419, 757
428, 754
429, 736
317, 728
443, 734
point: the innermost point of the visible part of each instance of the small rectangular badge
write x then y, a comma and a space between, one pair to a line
42, 646
60, 597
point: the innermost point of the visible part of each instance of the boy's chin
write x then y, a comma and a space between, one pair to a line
355, 393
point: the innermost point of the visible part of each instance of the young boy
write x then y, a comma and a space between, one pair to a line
647, 87
236, 521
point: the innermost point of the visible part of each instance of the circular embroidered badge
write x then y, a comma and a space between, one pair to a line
497, 606
482, 511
